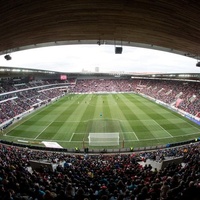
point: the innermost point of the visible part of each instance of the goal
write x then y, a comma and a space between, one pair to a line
103, 139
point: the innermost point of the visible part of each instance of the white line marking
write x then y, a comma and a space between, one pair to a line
184, 120
162, 128
124, 132
71, 137
191, 124
148, 139
135, 136
42, 131
29, 116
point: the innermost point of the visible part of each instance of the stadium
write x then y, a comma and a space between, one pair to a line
83, 135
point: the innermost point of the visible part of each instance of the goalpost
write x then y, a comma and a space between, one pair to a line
103, 139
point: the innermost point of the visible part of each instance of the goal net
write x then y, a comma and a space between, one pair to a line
103, 139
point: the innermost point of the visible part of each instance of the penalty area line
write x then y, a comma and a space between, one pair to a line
42, 131
136, 136
163, 128
71, 137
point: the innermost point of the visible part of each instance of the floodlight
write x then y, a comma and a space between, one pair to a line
118, 50
7, 57
198, 64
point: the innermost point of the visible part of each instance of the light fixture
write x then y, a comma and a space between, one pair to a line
118, 50
99, 42
198, 64
7, 57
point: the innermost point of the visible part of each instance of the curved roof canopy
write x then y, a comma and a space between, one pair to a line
172, 26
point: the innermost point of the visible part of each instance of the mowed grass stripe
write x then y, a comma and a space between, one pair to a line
38, 123
95, 108
39, 120
138, 129
87, 114
117, 112
155, 115
168, 120
101, 121
74, 112
183, 127
176, 124
141, 128
74, 115
115, 124
55, 115
25, 121
54, 110
156, 129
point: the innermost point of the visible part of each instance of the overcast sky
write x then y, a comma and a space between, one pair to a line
76, 58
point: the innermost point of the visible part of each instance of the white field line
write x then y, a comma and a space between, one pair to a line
71, 137
80, 141
162, 128
28, 117
114, 119
124, 132
183, 119
135, 136
42, 131
192, 125
167, 137
148, 139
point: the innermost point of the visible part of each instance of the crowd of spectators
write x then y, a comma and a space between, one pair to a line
102, 85
98, 177
11, 86
167, 91
171, 91
103, 176
22, 97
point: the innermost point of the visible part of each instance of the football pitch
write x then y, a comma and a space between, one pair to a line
70, 120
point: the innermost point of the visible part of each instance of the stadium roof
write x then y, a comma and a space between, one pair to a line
171, 26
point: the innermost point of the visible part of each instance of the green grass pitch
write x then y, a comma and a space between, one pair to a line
69, 120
